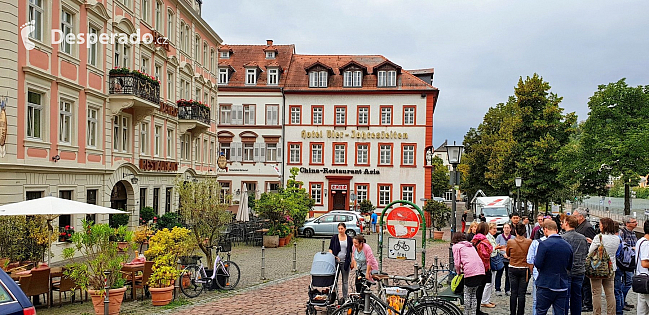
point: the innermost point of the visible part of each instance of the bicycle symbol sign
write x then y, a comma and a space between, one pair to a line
402, 248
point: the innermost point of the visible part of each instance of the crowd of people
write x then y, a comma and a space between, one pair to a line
553, 254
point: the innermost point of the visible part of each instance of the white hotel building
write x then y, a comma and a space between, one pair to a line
357, 126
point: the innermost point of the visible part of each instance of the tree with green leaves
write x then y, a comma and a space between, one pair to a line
203, 209
440, 177
615, 138
521, 137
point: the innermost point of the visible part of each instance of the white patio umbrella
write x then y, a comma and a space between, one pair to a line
52, 207
242, 213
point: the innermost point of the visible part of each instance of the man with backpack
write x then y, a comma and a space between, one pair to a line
625, 259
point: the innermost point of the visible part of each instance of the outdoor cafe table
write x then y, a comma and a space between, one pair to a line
132, 269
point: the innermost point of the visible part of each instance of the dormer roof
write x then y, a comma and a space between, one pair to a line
353, 64
387, 64
317, 64
225, 48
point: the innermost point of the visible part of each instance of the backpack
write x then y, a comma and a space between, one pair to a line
598, 263
625, 257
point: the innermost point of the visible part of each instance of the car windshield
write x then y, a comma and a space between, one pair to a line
495, 212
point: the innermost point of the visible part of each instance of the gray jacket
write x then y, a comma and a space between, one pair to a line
579, 250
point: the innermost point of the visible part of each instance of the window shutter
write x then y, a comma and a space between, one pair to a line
235, 153
251, 120
237, 114
255, 152
262, 152
279, 152
275, 119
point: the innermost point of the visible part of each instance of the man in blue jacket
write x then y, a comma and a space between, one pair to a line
554, 262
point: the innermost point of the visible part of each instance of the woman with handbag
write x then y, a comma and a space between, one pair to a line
496, 263
502, 240
519, 269
484, 249
468, 262
641, 277
605, 242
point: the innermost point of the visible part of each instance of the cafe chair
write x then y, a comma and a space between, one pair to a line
141, 282
36, 283
63, 286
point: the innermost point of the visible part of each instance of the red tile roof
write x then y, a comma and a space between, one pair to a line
298, 79
243, 56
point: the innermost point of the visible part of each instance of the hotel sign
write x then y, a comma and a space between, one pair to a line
353, 134
326, 170
158, 166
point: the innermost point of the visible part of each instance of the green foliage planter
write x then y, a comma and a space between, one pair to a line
99, 254
439, 212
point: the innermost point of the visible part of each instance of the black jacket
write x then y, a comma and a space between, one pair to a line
586, 230
334, 245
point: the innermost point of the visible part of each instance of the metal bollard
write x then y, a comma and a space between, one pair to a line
228, 256
294, 256
263, 263
323, 242
416, 277
106, 287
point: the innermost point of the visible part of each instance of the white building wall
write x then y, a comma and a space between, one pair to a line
395, 175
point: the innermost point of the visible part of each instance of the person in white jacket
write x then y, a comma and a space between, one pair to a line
611, 242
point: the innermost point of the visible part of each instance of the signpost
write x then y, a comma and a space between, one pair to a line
407, 219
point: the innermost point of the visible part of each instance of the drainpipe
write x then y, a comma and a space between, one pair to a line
284, 153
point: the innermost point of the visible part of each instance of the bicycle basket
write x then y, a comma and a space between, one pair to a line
189, 260
225, 244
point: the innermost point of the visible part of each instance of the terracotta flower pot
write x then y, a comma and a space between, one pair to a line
161, 296
282, 241
115, 297
122, 246
438, 235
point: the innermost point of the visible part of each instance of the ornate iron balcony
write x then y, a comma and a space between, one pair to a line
129, 84
194, 112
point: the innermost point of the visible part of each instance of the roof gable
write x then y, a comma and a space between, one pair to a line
353, 65
318, 66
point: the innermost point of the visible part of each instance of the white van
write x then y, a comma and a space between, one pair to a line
496, 209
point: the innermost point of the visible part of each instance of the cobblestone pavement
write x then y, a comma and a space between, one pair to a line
284, 291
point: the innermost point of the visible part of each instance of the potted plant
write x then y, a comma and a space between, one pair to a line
271, 238
440, 214
142, 235
166, 246
120, 238
66, 234
97, 255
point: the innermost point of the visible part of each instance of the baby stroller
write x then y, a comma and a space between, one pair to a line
322, 289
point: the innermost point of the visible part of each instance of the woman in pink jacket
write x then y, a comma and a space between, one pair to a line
468, 262
362, 257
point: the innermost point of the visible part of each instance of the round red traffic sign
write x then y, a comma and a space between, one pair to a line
403, 222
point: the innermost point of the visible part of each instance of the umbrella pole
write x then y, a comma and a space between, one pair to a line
49, 242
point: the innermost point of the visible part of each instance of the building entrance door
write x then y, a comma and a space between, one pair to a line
118, 197
339, 199
338, 194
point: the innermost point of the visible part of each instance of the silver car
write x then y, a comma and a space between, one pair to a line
327, 224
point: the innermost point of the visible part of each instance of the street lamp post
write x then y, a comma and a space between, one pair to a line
519, 183
429, 161
454, 156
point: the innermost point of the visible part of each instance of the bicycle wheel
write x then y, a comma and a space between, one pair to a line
191, 281
231, 276
356, 308
435, 308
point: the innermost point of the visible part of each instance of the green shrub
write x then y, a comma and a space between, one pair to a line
146, 214
366, 206
169, 220
641, 192
117, 220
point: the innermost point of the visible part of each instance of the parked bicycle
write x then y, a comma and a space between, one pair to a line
365, 302
194, 278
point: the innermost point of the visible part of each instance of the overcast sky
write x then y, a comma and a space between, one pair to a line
479, 49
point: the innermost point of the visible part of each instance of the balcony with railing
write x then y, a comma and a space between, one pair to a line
193, 115
133, 89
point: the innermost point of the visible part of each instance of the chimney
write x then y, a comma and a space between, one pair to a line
269, 42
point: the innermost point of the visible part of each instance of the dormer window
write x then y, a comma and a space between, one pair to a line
270, 55
223, 75
273, 76
225, 54
387, 78
353, 78
318, 78
251, 76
